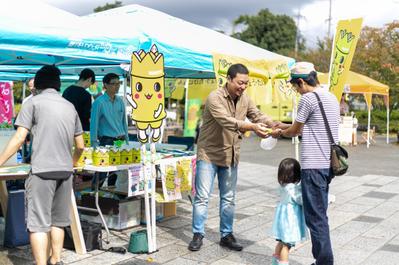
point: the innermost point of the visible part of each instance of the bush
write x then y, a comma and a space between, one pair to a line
379, 120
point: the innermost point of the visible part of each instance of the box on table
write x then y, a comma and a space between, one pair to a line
126, 156
114, 157
86, 139
101, 157
118, 213
86, 157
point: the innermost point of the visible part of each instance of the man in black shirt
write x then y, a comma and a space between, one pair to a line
80, 98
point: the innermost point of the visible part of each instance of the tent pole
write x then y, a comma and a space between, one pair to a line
296, 138
387, 124
368, 127
124, 98
185, 104
23, 91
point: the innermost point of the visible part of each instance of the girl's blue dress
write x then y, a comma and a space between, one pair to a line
289, 221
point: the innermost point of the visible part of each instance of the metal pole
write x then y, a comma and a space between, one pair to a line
368, 127
296, 138
153, 205
329, 19
387, 124
146, 197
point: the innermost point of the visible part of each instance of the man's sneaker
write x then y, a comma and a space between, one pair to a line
230, 242
196, 243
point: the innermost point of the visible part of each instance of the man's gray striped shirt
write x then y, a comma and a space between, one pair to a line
315, 146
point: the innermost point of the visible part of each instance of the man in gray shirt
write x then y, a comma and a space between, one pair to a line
55, 127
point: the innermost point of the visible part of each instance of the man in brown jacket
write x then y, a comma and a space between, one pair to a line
218, 152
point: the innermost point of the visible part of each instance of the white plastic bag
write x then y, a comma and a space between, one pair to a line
268, 143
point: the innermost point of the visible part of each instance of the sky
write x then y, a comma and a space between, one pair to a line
220, 14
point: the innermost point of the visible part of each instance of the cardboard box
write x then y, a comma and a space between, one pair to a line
118, 214
86, 139
101, 157
169, 209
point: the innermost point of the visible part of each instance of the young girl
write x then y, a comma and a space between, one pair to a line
289, 222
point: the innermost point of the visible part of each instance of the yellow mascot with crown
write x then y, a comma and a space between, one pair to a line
147, 97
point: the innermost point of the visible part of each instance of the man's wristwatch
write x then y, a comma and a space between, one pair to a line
280, 132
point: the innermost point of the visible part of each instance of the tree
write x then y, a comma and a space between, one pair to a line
108, 6
319, 56
276, 33
376, 56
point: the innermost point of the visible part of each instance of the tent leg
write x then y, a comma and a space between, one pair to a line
387, 124
368, 127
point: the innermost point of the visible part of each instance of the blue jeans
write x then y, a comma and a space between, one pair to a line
315, 202
204, 178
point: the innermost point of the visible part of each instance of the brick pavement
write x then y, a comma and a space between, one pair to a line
364, 222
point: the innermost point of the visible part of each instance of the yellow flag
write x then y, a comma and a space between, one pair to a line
258, 75
344, 47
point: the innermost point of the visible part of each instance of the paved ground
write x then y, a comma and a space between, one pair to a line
364, 219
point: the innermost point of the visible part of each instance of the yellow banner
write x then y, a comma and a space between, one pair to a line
258, 76
344, 47
197, 88
281, 89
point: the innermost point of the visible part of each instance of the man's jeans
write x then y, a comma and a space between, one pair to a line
315, 202
204, 179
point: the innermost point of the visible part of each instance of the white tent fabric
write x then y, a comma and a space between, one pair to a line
176, 32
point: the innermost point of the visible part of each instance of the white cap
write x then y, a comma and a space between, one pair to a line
301, 70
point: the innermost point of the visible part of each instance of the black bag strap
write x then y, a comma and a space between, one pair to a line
325, 119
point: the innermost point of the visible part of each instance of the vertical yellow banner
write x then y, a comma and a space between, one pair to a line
344, 47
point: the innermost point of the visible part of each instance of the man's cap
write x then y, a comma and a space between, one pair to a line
301, 70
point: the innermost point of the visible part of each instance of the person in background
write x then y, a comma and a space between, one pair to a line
31, 86
80, 98
218, 152
108, 118
55, 126
289, 225
108, 115
316, 173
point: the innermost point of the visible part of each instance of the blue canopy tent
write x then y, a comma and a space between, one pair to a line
29, 41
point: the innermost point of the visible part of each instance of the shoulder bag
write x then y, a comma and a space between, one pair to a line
339, 156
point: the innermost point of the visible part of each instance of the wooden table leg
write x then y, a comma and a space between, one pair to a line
3, 197
77, 234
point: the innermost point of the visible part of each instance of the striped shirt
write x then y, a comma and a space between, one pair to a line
316, 147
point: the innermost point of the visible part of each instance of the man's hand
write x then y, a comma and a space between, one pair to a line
275, 133
261, 130
280, 125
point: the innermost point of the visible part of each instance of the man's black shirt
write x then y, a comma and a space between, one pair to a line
81, 99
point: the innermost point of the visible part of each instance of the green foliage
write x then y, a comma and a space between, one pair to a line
320, 56
108, 6
17, 92
275, 33
379, 120
5, 125
376, 56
